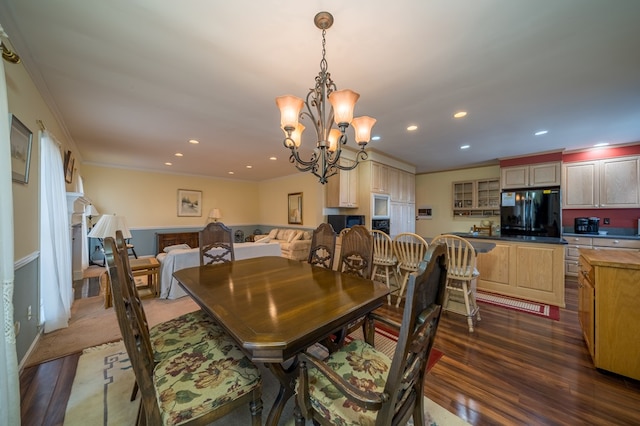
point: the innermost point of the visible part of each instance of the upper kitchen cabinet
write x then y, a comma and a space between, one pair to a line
402, 185
379, 178
529, 176
607, 183
342, 189
476, 198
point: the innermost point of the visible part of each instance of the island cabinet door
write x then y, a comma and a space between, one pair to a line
540, 273
494, 268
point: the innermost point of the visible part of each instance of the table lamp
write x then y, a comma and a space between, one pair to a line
106, 227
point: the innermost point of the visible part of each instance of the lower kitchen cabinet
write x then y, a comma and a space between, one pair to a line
609, 294
583, 241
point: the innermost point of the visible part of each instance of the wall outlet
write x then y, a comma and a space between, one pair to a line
606, 221
16, 326
29, 313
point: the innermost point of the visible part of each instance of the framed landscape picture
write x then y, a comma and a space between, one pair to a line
189, 202
21, 138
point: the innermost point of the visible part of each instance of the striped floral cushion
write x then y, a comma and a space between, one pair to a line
201, 379
171, 337
361, 365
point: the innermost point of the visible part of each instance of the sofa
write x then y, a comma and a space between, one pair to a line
294, 243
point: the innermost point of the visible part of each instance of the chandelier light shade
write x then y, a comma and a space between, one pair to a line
330, 128
108, 225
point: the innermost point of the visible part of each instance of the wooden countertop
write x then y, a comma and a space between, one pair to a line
612, 258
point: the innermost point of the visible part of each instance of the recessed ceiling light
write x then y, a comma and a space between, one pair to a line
460, 114
272, 158
249, 167
375, 138
168, 164
541, 132
465, 147
230, 173
178, 154
412, 128
601, 144
193, 141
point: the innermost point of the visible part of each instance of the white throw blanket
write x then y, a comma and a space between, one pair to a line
185, 258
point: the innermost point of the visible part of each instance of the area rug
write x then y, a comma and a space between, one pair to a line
104, 379
520, 305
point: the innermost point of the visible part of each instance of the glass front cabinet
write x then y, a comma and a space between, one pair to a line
477, 198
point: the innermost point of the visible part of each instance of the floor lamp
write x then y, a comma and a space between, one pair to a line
106, 227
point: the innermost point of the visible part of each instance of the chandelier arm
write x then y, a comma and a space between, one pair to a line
296, 157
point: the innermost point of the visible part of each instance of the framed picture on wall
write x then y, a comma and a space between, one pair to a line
189, 202
21, 138
294, 210
69, 162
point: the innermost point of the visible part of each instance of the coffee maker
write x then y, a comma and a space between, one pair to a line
586, 225
593, 225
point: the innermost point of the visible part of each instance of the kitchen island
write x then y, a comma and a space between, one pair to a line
608, 296
530, 268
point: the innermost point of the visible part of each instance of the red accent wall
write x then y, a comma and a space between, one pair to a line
599, 153
620, 218
533, 159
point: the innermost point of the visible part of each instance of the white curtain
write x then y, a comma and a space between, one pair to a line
9, 387
55, 238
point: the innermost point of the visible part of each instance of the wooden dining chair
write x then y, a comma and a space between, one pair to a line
323, 246
359, 384
196, 386
356, 252
216, 244
409, 248
174, 335
462, 277
385, 261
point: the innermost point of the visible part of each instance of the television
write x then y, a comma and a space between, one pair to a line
342, 221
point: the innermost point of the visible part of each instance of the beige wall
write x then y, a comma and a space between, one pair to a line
435, 190
26, 103
273, 200
149, 200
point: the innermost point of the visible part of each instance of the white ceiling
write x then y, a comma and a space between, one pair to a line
132, 81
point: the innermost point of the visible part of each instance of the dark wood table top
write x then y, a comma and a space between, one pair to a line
276, 307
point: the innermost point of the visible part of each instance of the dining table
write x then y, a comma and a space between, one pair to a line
275, 308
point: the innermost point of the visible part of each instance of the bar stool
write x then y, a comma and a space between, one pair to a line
461, 276
384, 260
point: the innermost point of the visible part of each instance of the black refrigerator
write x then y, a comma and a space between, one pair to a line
531, 212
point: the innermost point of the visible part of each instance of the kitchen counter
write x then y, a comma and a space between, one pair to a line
514, 238
617, 236
612, 258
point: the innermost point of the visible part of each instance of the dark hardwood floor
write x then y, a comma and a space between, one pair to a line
515, 369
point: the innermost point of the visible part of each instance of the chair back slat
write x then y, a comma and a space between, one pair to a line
462, 256
409, 249
216, 244
323, 246
356, 252
382, 248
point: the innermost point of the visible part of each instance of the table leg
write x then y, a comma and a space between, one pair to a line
286, 377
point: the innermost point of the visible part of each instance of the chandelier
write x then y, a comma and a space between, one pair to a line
325, 159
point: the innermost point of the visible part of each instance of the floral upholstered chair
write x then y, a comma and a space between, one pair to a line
172, 336
197, 385
360, 385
